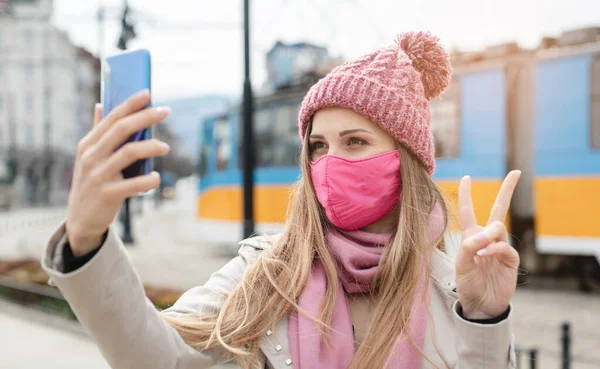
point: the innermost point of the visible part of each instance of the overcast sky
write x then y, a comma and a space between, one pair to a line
192, 62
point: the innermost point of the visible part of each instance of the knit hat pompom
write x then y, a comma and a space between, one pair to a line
429, 58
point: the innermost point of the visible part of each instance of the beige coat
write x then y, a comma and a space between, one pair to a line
107, 296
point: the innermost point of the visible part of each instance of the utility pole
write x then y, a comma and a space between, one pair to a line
11, 152
101, 16
127, 28
127, 33
47, 92
12, 136
248, 131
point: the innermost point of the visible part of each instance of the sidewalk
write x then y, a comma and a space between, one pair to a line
38, 340
538, 315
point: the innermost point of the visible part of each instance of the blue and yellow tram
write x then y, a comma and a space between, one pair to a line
567, 150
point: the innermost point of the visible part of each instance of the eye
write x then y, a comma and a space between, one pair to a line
356, 141
318, 145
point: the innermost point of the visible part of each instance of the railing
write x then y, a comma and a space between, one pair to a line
530, 355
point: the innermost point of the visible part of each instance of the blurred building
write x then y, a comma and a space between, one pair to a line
46, 85
87, 80
292, 65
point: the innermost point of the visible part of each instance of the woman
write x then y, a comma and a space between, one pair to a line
358, 278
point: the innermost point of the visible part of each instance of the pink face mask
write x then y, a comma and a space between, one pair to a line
356, 193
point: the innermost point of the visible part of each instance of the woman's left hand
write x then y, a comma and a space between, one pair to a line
486, 266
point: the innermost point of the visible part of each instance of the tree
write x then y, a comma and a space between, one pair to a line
127, 28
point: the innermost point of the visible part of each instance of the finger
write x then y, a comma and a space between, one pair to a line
495, 232
125, 127
502, 203
131, 105
133, 186
130, 153
83, 144
503, 252
465, 205
97, 114
466, 259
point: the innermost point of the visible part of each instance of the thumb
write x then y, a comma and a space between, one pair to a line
97, 114
471, 245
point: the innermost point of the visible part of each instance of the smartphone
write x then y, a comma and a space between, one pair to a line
124, 75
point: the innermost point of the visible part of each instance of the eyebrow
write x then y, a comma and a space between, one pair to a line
343, 133
350, 131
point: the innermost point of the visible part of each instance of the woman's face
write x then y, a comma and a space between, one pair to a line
344, 133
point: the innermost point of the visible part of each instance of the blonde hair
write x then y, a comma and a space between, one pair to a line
270, 288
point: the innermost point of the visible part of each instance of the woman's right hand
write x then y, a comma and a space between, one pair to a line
98, 187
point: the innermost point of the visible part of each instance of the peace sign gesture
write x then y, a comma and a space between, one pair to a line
486, 266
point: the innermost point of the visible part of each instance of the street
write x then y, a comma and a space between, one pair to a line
168, 254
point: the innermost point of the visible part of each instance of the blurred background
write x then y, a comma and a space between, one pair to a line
525, 95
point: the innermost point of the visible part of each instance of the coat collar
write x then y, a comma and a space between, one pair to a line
443, 271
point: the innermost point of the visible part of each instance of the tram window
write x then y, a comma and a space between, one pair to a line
295, 113
285, 153
265, 138
293, 139
445, 121
223, 141
595, 104
276, 136
203, 160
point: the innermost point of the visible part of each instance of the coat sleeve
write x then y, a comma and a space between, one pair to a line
108, 298
489, 346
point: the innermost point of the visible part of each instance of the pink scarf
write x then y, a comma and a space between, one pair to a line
358, 254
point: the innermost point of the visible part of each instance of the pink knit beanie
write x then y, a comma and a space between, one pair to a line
392, 87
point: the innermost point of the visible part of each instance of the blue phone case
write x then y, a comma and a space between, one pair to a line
124, 75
